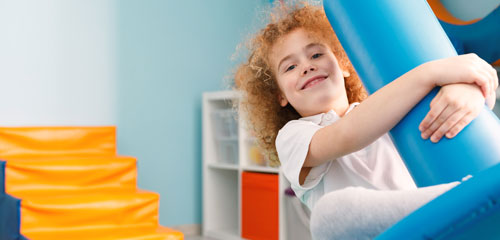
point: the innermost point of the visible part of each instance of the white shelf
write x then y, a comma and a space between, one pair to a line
260, 169
223, 166
221, 95
224, 234
227, 153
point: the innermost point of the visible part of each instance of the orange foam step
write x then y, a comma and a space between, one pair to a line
160, 233
121, 233
65, 174
79, 212
53, 141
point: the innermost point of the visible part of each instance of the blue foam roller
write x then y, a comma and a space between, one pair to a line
469, 211
385, 39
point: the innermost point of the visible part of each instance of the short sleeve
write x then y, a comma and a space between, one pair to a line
292, 145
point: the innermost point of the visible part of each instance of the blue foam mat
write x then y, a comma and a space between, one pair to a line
10, 219
10, 211
469, 211
2, 177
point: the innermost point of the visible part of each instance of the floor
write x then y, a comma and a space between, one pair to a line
198, 238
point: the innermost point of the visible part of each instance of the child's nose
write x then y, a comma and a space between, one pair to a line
310, 69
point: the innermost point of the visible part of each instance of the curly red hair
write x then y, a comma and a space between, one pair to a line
256, 80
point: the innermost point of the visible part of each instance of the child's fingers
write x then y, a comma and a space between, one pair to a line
481, 74
491, 79
488, 74
491, 72
484, 82
495, 77
433, 113
447, 125
443, 116
490, 100
460, 125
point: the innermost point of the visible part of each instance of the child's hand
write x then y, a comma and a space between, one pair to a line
455, 106
491, 100
468, 68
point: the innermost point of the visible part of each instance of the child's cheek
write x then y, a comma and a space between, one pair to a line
288, 84
292, 85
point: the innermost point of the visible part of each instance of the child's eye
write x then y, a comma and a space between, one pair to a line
317, 55
290, 68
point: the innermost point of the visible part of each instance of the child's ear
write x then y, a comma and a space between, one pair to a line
346, 73
282, 99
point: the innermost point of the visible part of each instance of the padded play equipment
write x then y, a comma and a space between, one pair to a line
471, 210
69, 183
480, 36
384, 39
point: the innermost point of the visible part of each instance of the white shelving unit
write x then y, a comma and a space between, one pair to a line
223, 167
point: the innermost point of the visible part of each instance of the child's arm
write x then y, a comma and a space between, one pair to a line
382, 110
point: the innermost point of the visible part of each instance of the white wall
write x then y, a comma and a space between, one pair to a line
57, 62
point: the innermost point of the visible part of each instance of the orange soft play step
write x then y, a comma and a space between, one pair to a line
135, 233
72, 185
55, 141
74, 215
67, 174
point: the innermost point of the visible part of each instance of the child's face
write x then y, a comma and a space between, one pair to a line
308, 75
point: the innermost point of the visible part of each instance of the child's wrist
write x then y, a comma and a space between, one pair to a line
427, 75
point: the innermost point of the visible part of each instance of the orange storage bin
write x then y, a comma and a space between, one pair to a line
260, 206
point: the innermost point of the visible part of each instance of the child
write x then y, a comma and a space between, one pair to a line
302, 97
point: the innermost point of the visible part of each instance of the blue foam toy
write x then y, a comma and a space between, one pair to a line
481, 37
385, 39
469, 211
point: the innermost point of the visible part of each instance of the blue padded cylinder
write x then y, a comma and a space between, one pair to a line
471, 210
385, 39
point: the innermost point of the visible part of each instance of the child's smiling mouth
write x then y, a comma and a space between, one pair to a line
313, 81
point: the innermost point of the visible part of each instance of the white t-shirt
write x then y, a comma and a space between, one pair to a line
377, 166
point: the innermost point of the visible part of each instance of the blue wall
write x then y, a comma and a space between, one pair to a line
169, 52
